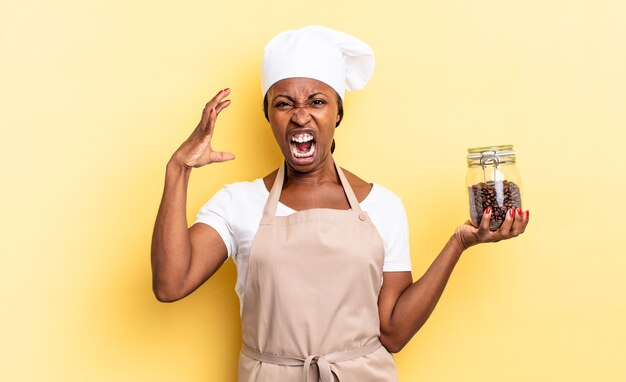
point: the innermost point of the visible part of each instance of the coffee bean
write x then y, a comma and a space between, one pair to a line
501, 196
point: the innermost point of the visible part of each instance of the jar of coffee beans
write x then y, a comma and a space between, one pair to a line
492, 181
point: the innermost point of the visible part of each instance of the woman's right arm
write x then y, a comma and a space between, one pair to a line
183, 258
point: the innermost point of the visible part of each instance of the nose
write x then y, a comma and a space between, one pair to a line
300, 116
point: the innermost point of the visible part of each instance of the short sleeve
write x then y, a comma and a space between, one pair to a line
398, 256
215, 213
389, 216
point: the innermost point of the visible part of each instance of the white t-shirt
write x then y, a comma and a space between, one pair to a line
235, 213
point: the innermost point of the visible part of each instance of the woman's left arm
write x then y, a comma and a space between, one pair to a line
405, 306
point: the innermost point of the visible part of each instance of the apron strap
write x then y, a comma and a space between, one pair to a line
272, 202
323, 362
270, 206
354, 203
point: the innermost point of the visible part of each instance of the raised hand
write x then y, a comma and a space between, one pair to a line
196, 151
514, 224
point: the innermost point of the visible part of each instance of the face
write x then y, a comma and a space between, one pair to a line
303, 113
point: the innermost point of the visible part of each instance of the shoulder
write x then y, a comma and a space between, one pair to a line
383, 201
234, 204
372, 193
244, 187
238, 194
361, 188
381, 193
268, 180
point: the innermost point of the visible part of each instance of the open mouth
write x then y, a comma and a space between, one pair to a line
302, 145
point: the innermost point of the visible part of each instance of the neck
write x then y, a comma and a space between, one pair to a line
326, 173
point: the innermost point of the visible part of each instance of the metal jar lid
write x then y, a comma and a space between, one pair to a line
490, 155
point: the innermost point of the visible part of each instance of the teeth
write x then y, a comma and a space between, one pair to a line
301, 138
298, 154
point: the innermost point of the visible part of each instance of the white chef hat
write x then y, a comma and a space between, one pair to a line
339, 60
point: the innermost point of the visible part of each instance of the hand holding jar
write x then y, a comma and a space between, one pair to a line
494, 197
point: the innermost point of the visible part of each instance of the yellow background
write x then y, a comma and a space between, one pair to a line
96, 95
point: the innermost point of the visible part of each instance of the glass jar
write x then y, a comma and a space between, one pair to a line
492, 181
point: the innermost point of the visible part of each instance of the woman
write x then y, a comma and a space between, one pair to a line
322, 256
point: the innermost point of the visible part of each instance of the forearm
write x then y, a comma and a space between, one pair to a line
418, 301
171, 244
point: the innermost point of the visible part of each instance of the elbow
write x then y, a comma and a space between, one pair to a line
164, 297
167, 288
393, 345
164, 294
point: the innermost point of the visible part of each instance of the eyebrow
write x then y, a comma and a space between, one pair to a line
291, 99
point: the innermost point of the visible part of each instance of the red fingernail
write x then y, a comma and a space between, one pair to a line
511, 212
488, 210
519, 211
527, 214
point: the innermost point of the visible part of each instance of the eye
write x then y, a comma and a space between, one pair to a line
318, 102
281, 105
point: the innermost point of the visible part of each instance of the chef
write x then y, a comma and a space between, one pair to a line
324, 273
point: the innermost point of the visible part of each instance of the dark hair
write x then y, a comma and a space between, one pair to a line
339, 110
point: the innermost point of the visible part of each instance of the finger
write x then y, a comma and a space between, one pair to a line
518, 223
212, 104
210, 125
218, 156
222, 105
204, 119
207, 133
525, 220
505, 228
483, 229
219, 97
